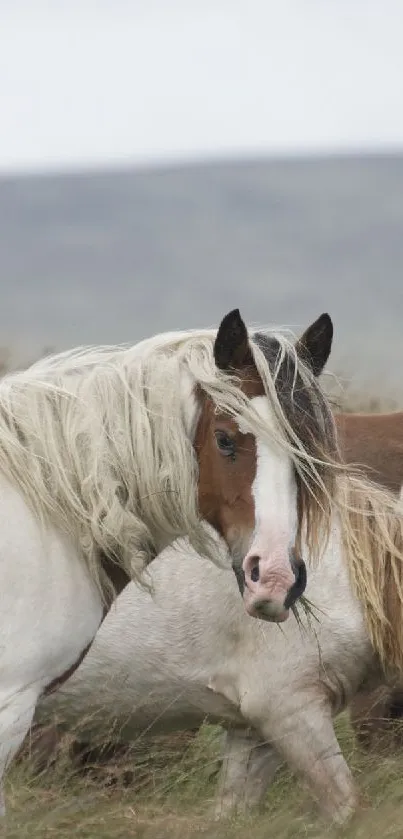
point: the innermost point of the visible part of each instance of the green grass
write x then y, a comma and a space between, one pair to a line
172, 791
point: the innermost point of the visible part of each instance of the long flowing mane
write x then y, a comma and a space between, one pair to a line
95, 439
372, 532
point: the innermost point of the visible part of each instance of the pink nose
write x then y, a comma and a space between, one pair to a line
273, 583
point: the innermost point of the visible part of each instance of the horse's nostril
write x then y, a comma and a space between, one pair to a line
254, 574
300, 576
298, 588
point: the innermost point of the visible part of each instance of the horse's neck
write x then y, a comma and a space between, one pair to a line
339, 632
329, 586
330, 569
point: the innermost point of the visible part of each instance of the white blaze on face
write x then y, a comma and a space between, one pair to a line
274, 488
267, 568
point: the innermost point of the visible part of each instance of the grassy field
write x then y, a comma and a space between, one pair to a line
171, 792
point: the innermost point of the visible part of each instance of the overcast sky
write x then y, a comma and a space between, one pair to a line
87, 82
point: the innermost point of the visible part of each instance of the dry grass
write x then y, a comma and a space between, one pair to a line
172, 791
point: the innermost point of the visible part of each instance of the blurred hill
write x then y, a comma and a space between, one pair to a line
115, 256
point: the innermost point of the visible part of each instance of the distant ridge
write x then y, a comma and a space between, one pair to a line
115, 255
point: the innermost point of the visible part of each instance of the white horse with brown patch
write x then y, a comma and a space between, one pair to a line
199, 656
108, 455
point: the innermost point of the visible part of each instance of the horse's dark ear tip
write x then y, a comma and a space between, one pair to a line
232, 320
233, 315
325, 318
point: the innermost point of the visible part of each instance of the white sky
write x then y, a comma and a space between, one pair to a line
87, 82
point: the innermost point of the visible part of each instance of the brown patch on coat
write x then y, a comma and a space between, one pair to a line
225, 483
375, 442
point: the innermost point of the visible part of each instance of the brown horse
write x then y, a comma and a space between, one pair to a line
375, 442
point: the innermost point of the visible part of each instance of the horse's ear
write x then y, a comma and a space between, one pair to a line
231, 346
313, 347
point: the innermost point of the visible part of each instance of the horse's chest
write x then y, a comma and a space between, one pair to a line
343, 662
223, 697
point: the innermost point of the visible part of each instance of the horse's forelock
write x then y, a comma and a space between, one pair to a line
308, 422
303, 401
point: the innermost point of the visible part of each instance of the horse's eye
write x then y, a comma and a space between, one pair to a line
225, 444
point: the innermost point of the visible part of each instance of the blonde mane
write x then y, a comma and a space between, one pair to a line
95, 440
372, 532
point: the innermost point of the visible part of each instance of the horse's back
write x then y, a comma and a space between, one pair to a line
375, 442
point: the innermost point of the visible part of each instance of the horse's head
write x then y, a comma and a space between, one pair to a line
250, 490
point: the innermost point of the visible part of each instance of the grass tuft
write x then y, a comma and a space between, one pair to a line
171, 789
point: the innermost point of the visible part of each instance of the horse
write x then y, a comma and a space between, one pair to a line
375, 442
276, 692
108, 454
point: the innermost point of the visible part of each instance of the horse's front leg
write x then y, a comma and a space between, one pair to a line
51, 609
263, 764
303, 734
248, 766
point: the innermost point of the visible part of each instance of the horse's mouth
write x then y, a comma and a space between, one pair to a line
268, 610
